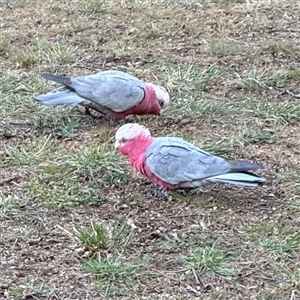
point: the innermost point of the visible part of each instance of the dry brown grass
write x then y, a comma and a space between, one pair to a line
221, 62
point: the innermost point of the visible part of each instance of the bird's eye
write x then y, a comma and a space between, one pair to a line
161, 103
123, 140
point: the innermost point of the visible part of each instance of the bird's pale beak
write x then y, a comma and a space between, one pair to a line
161, 111
117, 144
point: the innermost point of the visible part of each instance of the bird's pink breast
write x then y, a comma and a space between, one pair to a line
136, 152
148, 106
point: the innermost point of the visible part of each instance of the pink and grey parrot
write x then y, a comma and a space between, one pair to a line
174, 163
113, 93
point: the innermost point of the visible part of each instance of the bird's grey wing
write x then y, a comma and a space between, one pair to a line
115, 90
176, 161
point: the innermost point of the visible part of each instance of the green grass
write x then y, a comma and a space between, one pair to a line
277, 112
92, 7
185, 79
55, 186
34, 289
281, 246
197, 108
280, 239
282, 48
101, 236
9, 203
100, 159
31, 154
109, 273
257, 136
211, 260
222, 48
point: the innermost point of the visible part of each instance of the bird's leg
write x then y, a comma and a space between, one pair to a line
87, 111
94, 116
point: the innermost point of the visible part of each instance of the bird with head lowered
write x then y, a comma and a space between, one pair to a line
174, 163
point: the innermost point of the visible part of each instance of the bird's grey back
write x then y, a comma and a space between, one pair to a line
115, 90
175, 161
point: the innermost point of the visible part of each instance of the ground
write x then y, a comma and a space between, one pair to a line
77, 222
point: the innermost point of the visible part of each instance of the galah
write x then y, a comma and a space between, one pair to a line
174, 163
113, 93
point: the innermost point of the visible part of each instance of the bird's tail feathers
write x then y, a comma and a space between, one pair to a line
60, 98
238, 178
244, 165
59, 79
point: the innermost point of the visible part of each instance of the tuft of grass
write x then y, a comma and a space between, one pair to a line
281, 245
280, 239
109, 272
32, 288
101, 159
14, 4
189, 3
4, 46
60, 53
293, 275
257, 136
31, 154
91, 7
57, 187
197, 241
151, 31
277, 112
188, 79
92, 237
101, 236
258, 79
221, 48
40, 51
195, 107
210, 260
282, 48
131, 198
221, 148
26, 59
61, 122
9, 202
293, 73
8, 85
108, 268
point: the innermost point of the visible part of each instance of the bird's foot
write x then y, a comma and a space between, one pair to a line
163, 194
94, 114
205, 188
182, 192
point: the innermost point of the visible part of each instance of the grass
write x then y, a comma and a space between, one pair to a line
78, 222
109, 273
209, 261
102, 159
280, 239
33, 153
222, 48
197, 108
99, 236
283, 113
108, 266
34, 289
92, 7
